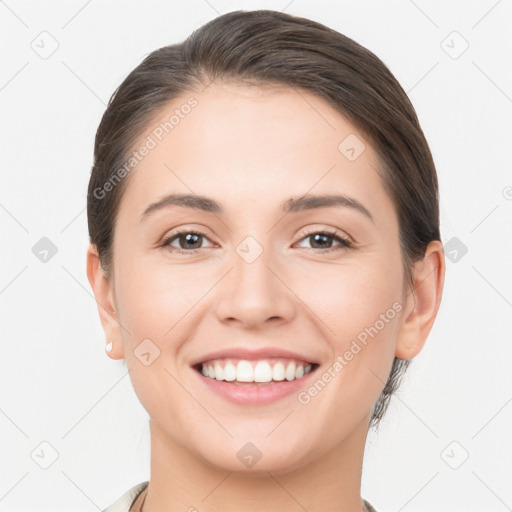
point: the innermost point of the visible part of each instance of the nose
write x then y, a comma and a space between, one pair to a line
253, 294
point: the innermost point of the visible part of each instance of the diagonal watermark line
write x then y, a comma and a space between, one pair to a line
94, 298
492, 81
14, 486
282, 421
286, 491
217, 486
492, 418
14, 218
508, 508
14, 423
405, 504
299, 93
301, 301
424, 423
502, 296
111, 388
209, 83
419, 284
76, 14
425, 14
492, 211
287, 5
213, 7
13, 279
307, 192
13, 13
421, 79
99, 508
199, 300
485, 15
73, 219
178, 177
65, 65
200, 404
14, 76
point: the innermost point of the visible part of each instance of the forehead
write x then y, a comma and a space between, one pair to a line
251, 145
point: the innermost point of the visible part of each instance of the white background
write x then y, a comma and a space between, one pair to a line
58, 386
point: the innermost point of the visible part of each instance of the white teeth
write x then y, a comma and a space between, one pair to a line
229, 372
219, 372
244, 372
278, 372
290, 372
262, 371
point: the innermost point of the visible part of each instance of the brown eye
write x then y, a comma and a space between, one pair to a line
188, 241
323, 241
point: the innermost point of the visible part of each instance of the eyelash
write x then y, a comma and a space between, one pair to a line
345, 244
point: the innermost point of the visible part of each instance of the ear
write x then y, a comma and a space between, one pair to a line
104, 295
422, 302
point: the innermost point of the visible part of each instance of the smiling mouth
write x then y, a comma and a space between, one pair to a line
255, 372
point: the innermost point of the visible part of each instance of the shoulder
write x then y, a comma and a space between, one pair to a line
124, 503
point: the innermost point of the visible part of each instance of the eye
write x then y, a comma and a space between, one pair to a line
188, 241
324, 240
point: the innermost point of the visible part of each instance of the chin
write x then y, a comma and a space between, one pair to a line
256, 458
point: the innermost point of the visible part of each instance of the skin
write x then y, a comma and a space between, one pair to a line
250, 149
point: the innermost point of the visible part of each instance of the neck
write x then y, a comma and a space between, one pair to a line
181, 480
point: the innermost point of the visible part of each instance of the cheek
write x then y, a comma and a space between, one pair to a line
360, 312
156, 300
155, 304
349, 299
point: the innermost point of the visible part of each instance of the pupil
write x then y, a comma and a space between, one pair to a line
189, 236
321, 237
318, 238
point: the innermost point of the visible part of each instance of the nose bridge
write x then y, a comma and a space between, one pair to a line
253, 293
251, 266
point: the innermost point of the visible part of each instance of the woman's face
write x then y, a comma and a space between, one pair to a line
261, 283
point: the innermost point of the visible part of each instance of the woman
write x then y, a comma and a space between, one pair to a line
266, 257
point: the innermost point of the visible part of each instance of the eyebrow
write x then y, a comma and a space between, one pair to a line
307, 202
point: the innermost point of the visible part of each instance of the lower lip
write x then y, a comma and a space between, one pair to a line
254, 393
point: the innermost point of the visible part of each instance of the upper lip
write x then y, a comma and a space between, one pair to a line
251, 354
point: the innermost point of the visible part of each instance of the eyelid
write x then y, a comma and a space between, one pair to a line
179, 230
345, 241
164, 242
307, 231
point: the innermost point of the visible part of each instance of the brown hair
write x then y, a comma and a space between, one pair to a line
266, 47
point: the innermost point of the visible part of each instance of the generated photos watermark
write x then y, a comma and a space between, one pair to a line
151, 142
342, 360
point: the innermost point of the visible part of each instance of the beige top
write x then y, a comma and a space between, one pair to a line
133, 499
129, 499
137, 504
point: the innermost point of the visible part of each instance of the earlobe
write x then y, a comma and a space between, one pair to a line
103, 294
422, 302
